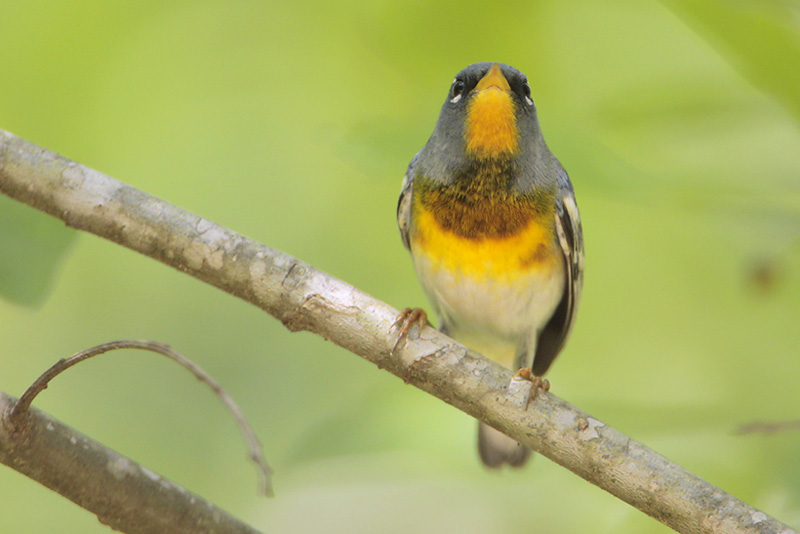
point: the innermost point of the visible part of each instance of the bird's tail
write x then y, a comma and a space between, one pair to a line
497, 449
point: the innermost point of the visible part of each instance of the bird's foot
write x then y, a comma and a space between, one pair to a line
405, 321
537, 383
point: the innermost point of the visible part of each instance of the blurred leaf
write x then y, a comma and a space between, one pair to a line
33, 247
760, 38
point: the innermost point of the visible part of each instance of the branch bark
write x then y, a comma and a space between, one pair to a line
123, 494
303, 298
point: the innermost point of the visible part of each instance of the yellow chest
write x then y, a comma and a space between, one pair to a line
529, 250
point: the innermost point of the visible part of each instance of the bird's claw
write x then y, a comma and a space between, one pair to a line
407, 319
537, 382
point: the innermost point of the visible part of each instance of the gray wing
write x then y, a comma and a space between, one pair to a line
404, 202
570, 236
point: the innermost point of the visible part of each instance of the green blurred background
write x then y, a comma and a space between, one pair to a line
293, 124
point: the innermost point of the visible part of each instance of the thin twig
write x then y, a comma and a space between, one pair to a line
763, 427
18, 412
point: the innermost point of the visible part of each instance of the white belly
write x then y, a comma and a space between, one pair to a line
492, 316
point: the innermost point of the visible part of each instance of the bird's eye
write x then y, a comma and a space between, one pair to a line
458, 88
526, 89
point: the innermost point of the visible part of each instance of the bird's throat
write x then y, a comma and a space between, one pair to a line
491, 125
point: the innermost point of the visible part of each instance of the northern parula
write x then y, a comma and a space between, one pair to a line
489, 216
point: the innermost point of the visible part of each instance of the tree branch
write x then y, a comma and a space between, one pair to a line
123, 494
303, 298
17, 417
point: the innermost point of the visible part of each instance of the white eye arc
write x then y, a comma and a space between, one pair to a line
528, 101
455, 99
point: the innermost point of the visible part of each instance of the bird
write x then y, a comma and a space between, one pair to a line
490, 218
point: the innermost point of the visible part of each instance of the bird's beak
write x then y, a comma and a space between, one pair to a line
494, 78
